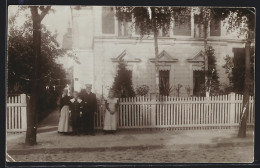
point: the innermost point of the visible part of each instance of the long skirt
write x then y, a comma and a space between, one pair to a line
110, 121
64, 122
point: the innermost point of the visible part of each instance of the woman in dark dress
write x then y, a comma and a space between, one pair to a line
64, 126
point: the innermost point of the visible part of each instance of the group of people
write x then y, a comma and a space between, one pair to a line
77, 113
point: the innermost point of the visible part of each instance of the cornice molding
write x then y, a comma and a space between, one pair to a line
164, 41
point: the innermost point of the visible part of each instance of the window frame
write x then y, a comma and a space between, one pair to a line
215, 36
184, 36
115, 23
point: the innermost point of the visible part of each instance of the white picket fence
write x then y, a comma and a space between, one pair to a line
180, 112
16, 113
154, 112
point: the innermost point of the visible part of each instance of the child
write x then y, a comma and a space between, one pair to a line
76, 109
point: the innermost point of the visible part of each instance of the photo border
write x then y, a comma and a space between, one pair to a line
3, 35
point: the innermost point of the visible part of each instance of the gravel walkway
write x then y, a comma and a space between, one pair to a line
164, 155
207, 146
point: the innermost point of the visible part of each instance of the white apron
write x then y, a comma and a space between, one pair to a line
110, 121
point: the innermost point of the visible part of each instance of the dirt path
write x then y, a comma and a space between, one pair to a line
51, 120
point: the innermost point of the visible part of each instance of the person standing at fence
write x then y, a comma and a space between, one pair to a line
64, 125
90, 108
110, 120
76, 109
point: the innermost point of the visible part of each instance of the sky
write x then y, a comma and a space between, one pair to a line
57, 20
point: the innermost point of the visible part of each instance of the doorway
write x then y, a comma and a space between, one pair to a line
164, 82
198, 82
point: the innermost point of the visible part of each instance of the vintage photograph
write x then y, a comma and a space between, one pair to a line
130, 84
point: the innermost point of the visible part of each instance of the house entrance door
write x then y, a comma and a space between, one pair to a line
198, 81
164, 84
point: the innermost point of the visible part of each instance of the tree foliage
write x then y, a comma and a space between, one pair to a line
235, 69
122, 85
238, 19
241, 20
20, 56
213, 78
212, 72
149, 19
20, 64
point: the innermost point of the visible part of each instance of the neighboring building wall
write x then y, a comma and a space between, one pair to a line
82, 29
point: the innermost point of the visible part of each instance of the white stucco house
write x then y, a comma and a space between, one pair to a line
99, 40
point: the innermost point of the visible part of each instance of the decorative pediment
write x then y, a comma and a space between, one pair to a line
125, 56
199, 57
164, 57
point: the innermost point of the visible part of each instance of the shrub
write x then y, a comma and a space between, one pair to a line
142, 90
122, 85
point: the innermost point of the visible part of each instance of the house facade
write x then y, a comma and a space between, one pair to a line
100, 41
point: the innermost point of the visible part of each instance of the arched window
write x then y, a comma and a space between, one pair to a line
108, 23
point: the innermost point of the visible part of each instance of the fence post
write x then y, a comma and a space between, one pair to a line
232, 108
153, 110
24, 112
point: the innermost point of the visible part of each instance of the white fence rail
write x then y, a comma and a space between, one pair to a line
16, 113
180, 112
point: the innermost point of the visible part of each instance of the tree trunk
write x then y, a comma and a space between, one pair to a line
206, 66
32, 115
156, 57
245, 110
